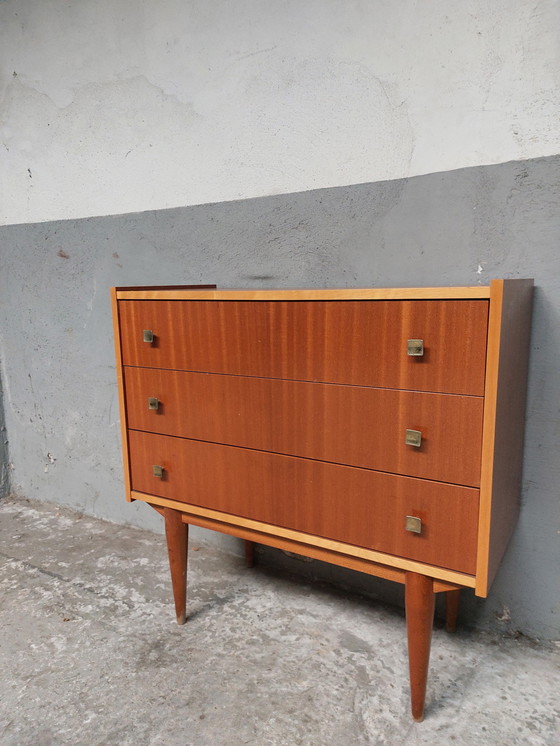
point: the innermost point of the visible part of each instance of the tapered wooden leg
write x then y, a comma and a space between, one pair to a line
420, 604
250, 553
177, 535
452, 599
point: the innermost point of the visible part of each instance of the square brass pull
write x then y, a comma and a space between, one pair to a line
413, 438
153, 403
415, 347
413, 524
157, 471
148, 336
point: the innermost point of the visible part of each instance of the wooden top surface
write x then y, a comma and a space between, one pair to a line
178, 293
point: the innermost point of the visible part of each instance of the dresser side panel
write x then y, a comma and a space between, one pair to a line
504, 418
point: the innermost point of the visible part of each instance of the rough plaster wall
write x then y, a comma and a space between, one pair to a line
113, 106
463, 227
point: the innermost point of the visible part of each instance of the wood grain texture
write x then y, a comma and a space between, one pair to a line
420, 605
452, 601
181, 293
347, 504
351, 342
120, 379
251, 537
296, 541
504, 418
121, 392
250, 553
349, 425
305, 550
177, 536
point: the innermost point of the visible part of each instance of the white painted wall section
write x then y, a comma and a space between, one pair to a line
112, 106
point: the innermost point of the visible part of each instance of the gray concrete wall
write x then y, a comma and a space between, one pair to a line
4, 460
457, 228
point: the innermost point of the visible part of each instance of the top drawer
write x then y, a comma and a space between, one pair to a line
349, 342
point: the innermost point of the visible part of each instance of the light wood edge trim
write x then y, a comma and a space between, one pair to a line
307, 540
311, 294
489, 434
503, 293
120, 385
352, 563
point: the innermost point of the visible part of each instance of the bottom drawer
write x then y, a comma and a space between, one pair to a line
343, 503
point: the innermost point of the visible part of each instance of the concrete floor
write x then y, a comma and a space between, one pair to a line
90, 653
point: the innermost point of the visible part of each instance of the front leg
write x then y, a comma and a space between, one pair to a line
177, 535
420, 605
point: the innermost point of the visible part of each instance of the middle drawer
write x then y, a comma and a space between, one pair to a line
352, 425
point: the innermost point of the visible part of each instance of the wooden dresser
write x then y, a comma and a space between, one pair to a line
377, 429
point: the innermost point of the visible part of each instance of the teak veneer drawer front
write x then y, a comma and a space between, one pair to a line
347, 504
350, 342
349, 425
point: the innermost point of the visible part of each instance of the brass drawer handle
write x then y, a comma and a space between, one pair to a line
157, 471
148, 336
415, 347
153, 403
413, 524
413, 438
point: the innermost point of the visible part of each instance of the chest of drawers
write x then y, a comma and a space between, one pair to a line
377, 429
